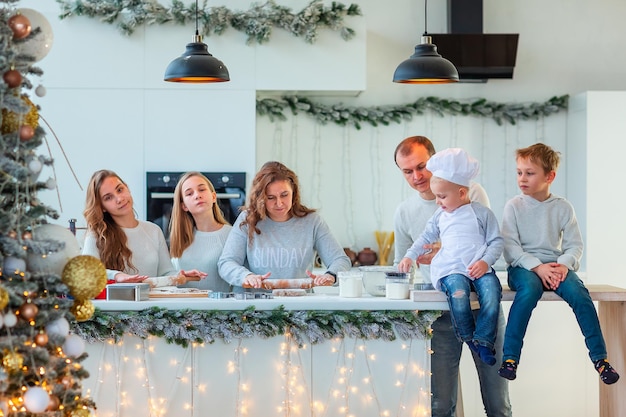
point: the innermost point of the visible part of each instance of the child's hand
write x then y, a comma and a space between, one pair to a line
560, 271
405, 265
549, 277
478, 269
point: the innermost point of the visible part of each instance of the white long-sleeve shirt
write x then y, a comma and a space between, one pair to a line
203, 254
468, 234
150, 255
412, 215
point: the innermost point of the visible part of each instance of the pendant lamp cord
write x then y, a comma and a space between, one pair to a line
197, 33
425, 17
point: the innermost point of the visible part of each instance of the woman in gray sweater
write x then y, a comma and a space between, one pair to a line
276, 236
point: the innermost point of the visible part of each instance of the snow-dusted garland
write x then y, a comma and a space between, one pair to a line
342, 115
183, 327
257, 22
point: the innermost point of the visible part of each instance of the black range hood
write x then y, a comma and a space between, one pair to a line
476, 55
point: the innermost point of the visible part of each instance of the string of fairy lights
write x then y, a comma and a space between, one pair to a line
343, 376
493, 144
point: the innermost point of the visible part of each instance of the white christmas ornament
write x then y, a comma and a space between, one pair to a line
51, 184
13, 264
10, 319
40, 91
53, 262
38, 45
34, 166
60, 327
36, 399
74, 346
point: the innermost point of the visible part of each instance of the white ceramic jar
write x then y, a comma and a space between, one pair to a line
350, 283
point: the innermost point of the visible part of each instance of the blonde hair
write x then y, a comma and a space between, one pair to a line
182, 223
111, 240
270, 172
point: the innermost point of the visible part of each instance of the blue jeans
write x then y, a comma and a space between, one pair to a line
529, 289
483, 330
445, 371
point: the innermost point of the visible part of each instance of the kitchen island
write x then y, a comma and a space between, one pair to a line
315, 355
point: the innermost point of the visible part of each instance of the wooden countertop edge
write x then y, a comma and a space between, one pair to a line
597, 292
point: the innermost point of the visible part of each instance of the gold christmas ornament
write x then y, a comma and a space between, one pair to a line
85, 276
82, 310
4, 298
11, 121
12, 361
80, 412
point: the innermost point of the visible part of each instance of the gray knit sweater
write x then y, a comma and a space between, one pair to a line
286, 249
537, 232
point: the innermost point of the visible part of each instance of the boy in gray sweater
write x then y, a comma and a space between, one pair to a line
543, 247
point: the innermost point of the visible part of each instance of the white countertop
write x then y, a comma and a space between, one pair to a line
307, 302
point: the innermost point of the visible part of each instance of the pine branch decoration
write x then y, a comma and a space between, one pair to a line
257, 23
342, 115
183, 327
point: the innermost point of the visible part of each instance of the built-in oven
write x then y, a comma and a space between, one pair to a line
229, 186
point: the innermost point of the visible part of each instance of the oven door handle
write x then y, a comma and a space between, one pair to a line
170, 196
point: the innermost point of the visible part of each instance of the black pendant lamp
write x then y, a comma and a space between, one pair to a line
426, 66
196, 64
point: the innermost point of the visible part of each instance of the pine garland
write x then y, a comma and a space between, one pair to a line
183, 327
385, 115
257, 22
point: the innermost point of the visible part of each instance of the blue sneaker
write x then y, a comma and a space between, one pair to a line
485, 354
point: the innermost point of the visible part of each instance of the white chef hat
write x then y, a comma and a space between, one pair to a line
454, 165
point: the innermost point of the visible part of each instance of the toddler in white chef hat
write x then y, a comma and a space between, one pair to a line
470, 245
453, 165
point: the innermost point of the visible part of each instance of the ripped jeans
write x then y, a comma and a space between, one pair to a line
489, 291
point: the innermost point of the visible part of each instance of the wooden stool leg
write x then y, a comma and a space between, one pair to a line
612, 315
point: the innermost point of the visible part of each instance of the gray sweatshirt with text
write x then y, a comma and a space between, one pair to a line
286, 249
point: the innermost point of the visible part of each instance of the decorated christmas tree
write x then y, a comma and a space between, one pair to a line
45, 286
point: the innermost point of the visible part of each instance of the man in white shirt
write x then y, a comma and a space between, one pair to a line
410, 219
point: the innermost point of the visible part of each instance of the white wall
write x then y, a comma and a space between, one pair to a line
110, 108
596, 132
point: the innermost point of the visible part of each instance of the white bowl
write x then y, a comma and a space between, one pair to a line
374, 279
